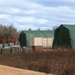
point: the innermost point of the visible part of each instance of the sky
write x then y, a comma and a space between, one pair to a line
34, 14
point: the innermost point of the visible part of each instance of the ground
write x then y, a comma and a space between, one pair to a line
6, 70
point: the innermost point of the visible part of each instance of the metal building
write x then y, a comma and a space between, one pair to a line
35, 37
64, 36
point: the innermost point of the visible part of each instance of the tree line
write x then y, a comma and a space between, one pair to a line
8, 34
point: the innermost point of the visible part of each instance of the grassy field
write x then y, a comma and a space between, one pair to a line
60, 62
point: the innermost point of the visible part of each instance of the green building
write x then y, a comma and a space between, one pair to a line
64, 36
25, 36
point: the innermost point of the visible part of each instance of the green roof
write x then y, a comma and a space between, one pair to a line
37, 33
40, 33
71, 28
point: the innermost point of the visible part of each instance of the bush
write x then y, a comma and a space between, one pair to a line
57, 62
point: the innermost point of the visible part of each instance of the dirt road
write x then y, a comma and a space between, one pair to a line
6, 70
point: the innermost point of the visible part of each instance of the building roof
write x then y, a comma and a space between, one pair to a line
69, 26
40, 33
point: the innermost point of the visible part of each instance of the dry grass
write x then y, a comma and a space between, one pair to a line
60, 62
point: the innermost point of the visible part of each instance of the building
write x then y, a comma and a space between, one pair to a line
64, 36
35, 37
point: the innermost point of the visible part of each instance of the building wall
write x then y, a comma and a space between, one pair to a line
64, 37
37, 41
40, 41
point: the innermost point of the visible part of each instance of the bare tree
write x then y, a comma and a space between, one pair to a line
8, 33
55, 27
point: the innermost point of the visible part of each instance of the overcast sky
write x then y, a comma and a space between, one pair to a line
34, 14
